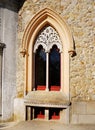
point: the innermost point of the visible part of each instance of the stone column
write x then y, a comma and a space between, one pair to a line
0, 81
1, 53
33, 114
46, 114
28, 113
2, 45
47, 71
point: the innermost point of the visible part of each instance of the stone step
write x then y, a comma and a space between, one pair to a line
4, 125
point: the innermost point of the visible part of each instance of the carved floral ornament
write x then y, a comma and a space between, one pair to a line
47, 36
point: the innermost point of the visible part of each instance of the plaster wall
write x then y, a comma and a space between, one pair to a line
8, 37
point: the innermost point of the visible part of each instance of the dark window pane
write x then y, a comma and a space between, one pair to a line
54, 69
39, 112
40, 68
54, 113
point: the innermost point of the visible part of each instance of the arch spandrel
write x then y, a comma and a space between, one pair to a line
42, 18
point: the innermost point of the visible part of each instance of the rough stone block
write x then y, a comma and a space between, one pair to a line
86, 119
19, 109
74, 119
79, 107
91, 107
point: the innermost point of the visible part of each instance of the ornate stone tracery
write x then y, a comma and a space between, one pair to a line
48, 37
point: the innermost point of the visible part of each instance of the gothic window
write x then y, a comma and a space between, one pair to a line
47, 49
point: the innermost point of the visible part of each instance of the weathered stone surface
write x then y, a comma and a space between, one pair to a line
86, 119
75, 119
19, 109
79, 16
83, 112
79, 108
8, 74
91, 108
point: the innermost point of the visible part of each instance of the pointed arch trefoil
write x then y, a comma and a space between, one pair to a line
48, 37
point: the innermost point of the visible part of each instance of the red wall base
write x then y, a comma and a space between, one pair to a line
55, 117
55, 88
40, 116
41, 87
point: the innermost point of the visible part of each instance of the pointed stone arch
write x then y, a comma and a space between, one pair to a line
42, 18
38, 22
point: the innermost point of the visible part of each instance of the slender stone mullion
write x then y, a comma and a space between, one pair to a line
33, 113
28, 110
47, 71
46, 114
34, 82
61, 70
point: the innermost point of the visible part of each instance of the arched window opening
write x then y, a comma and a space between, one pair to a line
36, 33
40, 69
54, 69
54, 114
39, 112
47, 49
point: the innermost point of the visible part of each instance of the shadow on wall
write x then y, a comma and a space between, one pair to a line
20, 3
13, 5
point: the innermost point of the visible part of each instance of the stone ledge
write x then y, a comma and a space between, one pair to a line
7, 125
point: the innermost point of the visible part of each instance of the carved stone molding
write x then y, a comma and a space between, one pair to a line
47, 17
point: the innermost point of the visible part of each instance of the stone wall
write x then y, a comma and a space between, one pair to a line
83, 112
79, 15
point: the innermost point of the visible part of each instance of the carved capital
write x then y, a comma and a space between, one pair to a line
72, 53
2, 45
23, 52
